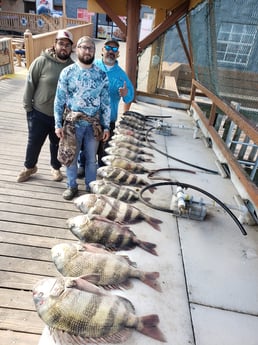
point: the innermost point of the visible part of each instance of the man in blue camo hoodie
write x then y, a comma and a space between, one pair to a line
120, 87
83, 87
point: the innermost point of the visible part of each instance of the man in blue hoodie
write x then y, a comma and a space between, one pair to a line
120, 86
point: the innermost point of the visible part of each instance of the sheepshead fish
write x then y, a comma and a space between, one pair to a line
106, 269
131, 119
124, 163
112, 189
125, 153
131, 147
78, 312
119, 175
111, 234
131, 125
113, 209
135, 114
128, 131
129, 139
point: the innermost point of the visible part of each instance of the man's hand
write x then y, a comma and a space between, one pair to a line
59, 132
123, 90
106, 135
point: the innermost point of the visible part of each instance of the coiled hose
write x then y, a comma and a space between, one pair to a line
186, 185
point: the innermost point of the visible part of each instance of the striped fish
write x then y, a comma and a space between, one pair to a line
78, 312
111, 234
124, 163
136, 120
113, 209
131, 147
119, 175
129, 139
133, 133
113, 271
135, 114
125, 124
114, 190
124, 152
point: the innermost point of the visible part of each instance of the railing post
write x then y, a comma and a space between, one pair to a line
29, 51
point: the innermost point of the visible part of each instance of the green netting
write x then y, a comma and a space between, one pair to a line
224, 40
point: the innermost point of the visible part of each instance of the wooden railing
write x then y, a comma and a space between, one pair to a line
34, 44
233, 138
36, 24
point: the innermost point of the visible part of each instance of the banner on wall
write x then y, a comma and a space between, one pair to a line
83, 14
44, 6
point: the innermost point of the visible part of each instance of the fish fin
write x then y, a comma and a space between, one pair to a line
64, 338
154, 222
150, 279
127, 284
148, 326
101, 218
95, 248
127, 247
128, 260
148, 246
83, 283
147, 199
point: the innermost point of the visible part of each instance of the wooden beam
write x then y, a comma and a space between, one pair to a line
160, 29
64, 7
184, 44
133, 21
110, 12
240, 120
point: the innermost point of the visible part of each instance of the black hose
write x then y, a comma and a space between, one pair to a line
186, 185
177, 159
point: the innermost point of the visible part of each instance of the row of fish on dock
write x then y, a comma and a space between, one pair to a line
79, 306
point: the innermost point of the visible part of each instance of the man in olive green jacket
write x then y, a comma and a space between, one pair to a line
38, 101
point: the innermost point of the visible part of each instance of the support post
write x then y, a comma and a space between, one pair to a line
133, 20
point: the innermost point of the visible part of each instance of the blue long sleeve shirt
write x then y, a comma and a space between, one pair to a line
83, 90
117, 77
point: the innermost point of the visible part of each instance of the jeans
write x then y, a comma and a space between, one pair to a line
39, 127
85, 135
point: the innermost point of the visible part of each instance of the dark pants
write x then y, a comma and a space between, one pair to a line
102, 145
39, 127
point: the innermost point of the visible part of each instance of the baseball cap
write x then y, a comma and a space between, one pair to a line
64, 34
84, 39
111, 40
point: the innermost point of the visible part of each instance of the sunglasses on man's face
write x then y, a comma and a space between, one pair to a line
114, 49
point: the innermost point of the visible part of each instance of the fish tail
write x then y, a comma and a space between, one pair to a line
150, 279
154, 222
149, 247
148, 326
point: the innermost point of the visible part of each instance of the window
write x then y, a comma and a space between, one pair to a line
235, 42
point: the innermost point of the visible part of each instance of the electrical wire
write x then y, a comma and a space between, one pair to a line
186, 185
177, 159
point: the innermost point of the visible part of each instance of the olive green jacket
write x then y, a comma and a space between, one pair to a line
41, 83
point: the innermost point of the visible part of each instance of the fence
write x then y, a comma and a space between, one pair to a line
34, 44
36, 24
234, 140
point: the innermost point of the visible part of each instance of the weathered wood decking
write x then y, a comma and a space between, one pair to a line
32, 220
208, 270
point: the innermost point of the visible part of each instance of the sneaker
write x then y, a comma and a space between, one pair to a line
57, 175
70, 193
25, 174
81, 172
